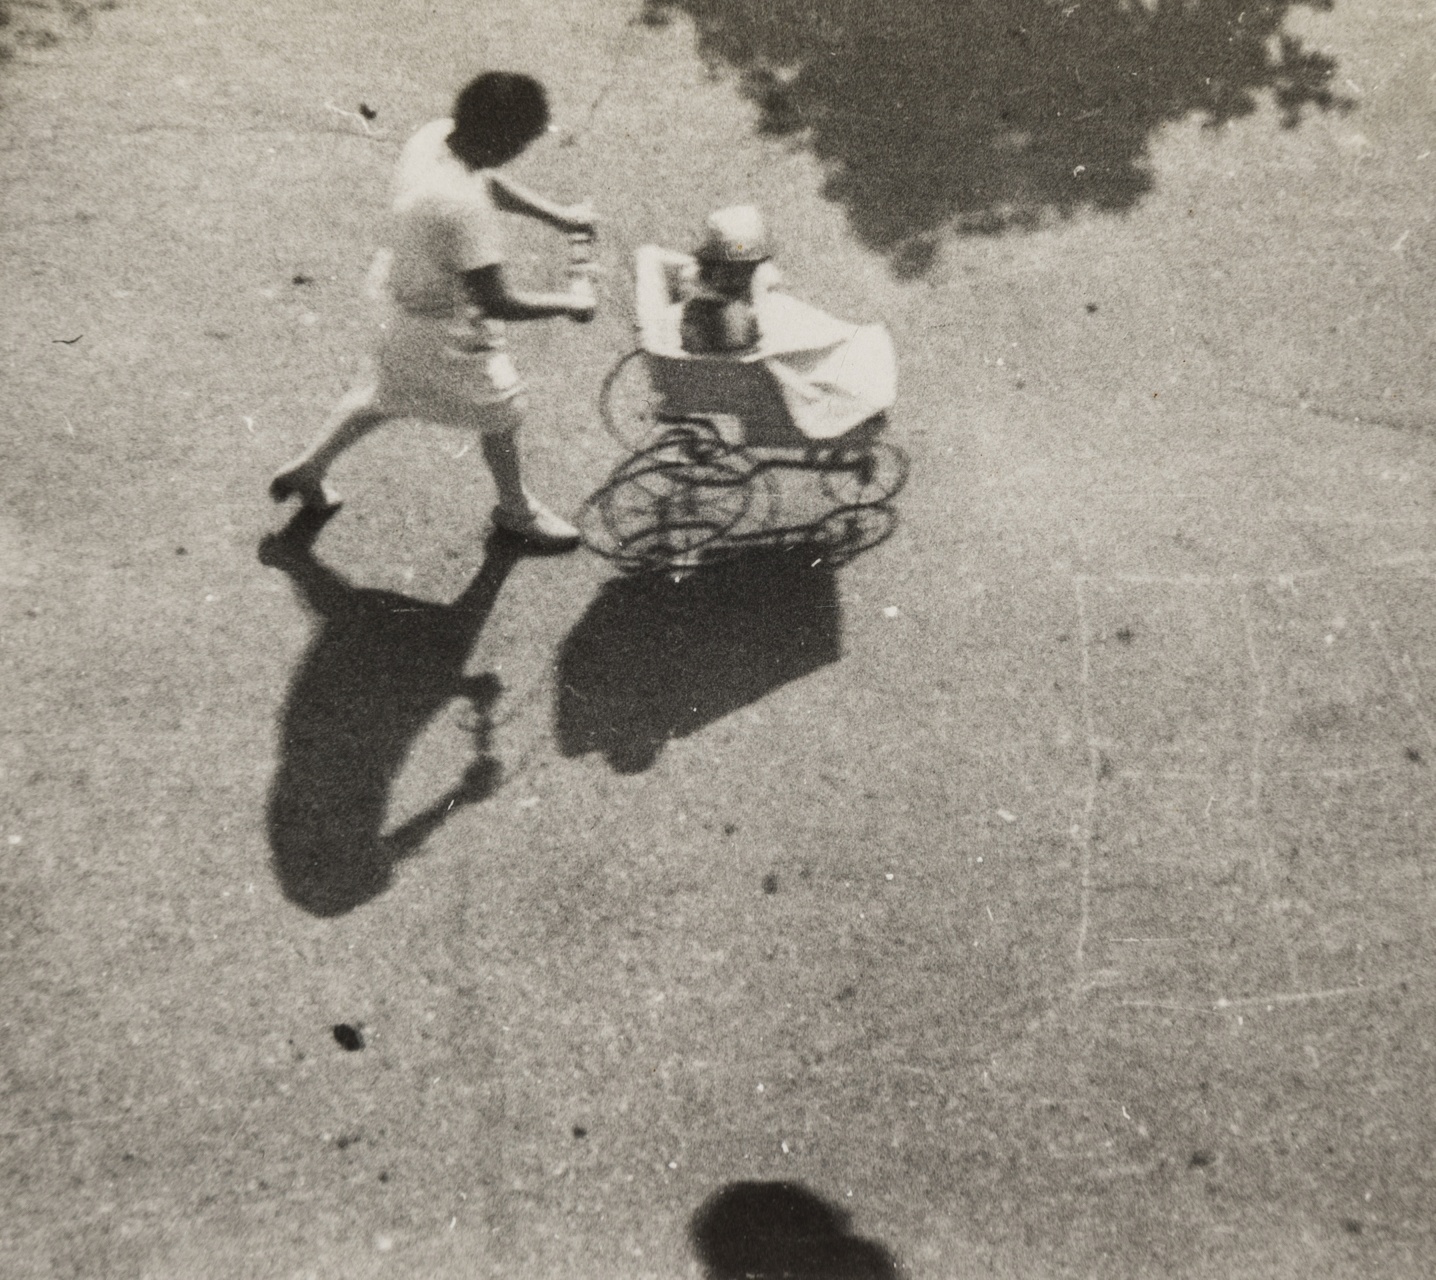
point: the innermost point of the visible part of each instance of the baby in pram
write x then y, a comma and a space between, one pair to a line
720, 308
712, 299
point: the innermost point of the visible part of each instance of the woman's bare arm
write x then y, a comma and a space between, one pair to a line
511, 197
489, 290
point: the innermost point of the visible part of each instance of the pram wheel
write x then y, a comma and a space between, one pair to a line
628, 404
849, 531
860, 476
692, 452
665, 514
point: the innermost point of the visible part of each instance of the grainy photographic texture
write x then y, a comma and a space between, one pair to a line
999, 846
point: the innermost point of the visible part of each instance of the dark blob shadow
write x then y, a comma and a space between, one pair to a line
773, 1230
31, 25
989, 114
655, 658
380, 667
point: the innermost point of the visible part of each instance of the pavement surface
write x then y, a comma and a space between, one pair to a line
1047, 892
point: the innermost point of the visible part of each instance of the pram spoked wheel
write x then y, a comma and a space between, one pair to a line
628, 403
861, 475
849, 531
629, 410
666, 513
692, 449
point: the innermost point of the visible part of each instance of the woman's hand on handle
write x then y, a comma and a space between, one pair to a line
583, 302
580, 219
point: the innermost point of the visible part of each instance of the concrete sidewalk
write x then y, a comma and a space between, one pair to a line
1048, 890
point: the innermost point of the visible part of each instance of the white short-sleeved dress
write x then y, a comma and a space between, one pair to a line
439, 357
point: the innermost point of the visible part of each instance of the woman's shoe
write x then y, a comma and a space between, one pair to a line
539, 527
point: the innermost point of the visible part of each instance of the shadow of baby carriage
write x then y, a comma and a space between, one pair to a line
380, 667
657, 656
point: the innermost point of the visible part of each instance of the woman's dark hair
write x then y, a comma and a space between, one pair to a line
497, 115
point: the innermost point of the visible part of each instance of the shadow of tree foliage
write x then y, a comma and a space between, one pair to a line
986, 115
39, 24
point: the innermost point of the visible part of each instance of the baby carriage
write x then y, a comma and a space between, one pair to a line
707, 434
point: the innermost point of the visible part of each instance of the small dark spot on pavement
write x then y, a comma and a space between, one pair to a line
847, 993
579, 1131
301, 278
1104, 765
220, 335
128, 1156
181, 551
1126, 635
770, 883
1413, 754
1063, 638
1353, 1226
349, 1038
729, 828
347, 1140
1202, 1159
384, 1177
1091, 308
367, 111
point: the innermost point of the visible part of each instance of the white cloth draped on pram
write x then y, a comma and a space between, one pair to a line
809, 373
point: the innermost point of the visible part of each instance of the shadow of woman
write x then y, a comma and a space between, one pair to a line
653, 658
767, 1230
381, 666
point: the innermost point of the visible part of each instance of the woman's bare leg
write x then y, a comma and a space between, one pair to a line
518, 510
354, 417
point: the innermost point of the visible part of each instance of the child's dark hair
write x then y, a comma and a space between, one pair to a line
497, 114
